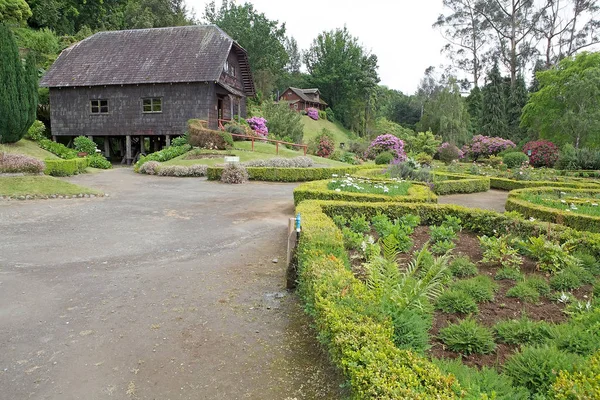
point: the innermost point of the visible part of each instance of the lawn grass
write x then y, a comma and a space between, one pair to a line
587, 204
40, 186
262, 151
388, 189
313, 128
28, 148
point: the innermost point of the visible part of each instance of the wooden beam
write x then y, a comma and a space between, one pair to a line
167, 140
106, 146
128, 149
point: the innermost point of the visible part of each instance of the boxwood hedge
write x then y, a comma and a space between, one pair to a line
511, 184
459, 183
286, 174
60, 167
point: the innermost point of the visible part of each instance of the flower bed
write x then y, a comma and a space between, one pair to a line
286, 174
359, 316
373, 191
576, 208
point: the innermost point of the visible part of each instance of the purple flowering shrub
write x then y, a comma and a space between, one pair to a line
312, 113
448, 152
13, 163
483, 146
543, 153
386, 143
259, 126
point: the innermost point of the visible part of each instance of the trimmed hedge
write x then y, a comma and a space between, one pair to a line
358, 338
511, 184
582, 222
286, 174
318, 191
459, 183
57, 149
65, 167
165, 154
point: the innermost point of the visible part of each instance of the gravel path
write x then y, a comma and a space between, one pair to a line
491, 200
167, 289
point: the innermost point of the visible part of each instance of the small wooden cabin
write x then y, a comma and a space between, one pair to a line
301, 99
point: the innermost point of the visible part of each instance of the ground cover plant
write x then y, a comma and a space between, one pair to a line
354, 185
504, 305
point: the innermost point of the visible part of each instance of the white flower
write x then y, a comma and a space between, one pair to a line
338, 190
531, 219
562, 193
595, 204
334, 175
563, 201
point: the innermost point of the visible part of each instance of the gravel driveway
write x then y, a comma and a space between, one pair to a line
164, 290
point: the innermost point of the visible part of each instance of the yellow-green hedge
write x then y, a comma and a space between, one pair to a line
583, 383
459, 183
318, 191
286, 174
511, 184
59, 167
359, 340
516, 202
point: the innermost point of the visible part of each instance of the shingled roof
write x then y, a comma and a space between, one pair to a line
194, 53
302, 93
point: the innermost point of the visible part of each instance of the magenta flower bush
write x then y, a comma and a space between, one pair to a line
312, 113
386, 143
483, 146
259, 126
543, 153
13, 163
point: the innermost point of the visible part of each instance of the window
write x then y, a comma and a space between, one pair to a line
152, 105
229, 68
99, 106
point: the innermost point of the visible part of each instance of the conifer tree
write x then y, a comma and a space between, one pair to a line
514, 106
18, 91
474, 104
493, 117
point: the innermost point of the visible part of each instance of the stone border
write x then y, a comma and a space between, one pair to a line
53, 196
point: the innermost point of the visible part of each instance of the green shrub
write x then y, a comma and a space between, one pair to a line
522, 331
234, 173
536, 368
524, 292
497, 250
565, 280
411, 330
580, 383
576, 338
330, 114
441, 233
57, 149
484, 383
481, 288
61, 167
468, 337
588, 261
538, 283
84, 144
227, 138
340, 221
359, 224
283, 122
36, 131
352, 240
99, 161
165, 154
454, 301
448, 153
515, 159
384, 158
462, 267
180, 140
551, 256
82, 164
442, 247
424, 159
508, 273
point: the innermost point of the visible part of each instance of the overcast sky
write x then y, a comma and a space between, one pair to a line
399, 32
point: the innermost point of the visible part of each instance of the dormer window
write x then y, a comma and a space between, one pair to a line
229, 68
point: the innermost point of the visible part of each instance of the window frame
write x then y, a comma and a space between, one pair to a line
98, 106
152, 105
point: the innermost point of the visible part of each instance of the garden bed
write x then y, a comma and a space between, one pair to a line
193, 155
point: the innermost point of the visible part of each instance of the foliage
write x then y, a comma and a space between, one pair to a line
566, 108
468, 337
581, 383
58, 149
149, 168
18, 92
386, 143
411, 330
482, 146
163, 155
565, 280
498, 250
330, 114
384, 158
462, 267
234, 173
449, 153
493, 112
322, 145
442, 247
551, 256
282, 122
522, 331
481, 288
424, 159
36, 131
359, 224
407, 171
515, 159
14, 11
97, 160
84, 145
200, 136
65, 167
441, 233
508, 273
13, 163
425, 142
524, 292
536, 368
455, 301
543, 153
279, 162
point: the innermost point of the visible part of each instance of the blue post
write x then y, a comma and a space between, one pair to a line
298, 222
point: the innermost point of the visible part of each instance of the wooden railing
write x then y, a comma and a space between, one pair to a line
253, 138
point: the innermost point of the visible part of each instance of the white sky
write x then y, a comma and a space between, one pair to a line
399, 32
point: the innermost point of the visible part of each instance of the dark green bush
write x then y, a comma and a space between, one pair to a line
164, 155
536, 368
442, 247
180, 140
481, 288
454, 301
36, 131
524, 292
522, 331
565, 280
99, 161
330, 114
576, 338
515, 159
509, 273
384, 158
57, 149
84, 144
448, 153
468, 337
227, 138
538, 283
283, 122
411, 330
462, 267
359, 224
588, 261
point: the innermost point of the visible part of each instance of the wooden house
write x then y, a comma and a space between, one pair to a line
301, 99
132, 86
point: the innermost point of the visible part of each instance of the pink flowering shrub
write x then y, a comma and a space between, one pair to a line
448, 152
259, 126
386, 143
312, 113
483, 146
543, 153
14, 163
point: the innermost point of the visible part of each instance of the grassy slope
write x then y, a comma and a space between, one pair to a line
313, 128
261, 151
28, 148
39, 185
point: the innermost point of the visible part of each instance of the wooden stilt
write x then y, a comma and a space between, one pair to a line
239, 110
128, 149
54, 138
106, 147
168, 140
142, 146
